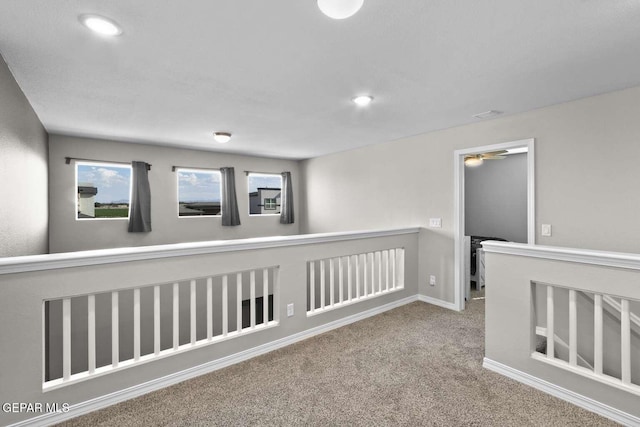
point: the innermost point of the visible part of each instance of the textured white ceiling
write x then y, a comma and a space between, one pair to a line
280, 75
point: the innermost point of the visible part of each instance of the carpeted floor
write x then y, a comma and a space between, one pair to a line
417, 365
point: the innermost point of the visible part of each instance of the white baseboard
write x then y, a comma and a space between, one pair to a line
438, 302
562, 393
82, 408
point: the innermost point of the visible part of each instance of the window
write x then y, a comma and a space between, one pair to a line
198, 192
104, 190
265, 192
269, 204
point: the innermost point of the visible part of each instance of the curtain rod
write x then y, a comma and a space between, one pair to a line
173, 168
263, 173
68, 161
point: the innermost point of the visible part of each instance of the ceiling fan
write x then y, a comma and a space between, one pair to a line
477, 159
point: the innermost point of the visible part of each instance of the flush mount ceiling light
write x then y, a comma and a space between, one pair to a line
222, 137
363, 100
340, 9
101, 25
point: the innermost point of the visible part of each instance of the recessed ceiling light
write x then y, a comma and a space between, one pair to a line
363, 100
340, 9
101, 25
222, 137
487, 114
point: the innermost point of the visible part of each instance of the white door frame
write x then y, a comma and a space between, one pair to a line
458, 212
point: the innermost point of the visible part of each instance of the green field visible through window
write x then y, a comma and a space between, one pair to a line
112, 212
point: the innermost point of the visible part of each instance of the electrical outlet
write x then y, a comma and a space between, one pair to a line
289, 310
432, 280
546, 230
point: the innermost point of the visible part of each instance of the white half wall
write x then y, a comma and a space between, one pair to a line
586, 181
23, 173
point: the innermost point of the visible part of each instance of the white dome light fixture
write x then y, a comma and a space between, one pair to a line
222, 137
340, 9
101, 25
363, 100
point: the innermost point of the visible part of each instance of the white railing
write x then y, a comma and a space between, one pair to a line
353, 278
600, 370
92, 328
237, 311
585, 303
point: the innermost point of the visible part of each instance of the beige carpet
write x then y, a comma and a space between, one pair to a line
417, 365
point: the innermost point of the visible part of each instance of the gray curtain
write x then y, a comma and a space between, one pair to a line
286, 201
229, 202
140, 215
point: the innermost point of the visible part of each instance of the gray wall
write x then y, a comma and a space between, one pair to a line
68, 234
23, 173
496, 199
586, 181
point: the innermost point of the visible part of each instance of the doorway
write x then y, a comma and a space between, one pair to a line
459, 206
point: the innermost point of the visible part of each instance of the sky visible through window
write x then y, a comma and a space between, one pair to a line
264, 181
198, 186
113, 182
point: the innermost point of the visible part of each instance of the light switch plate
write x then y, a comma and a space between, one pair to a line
546, 230
435, 222
289, 310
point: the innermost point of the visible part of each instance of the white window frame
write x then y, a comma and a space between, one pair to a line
79, 163
178, 170
249, 175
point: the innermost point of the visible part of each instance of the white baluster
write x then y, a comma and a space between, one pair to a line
349, 277
393, 269
115, 325
322, 284
239, 302
550, 326
225, 305
209, 308
625, 339
385, 261
192, 311
252, 298
365, 278
379, 264
176, 316
598, 334
66, 339
91, 328
265, 296
276, 294
357, 257
312, 285
400, 259
156, 320
573, 329
331, 281
372, 266
340, 280
136, 324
